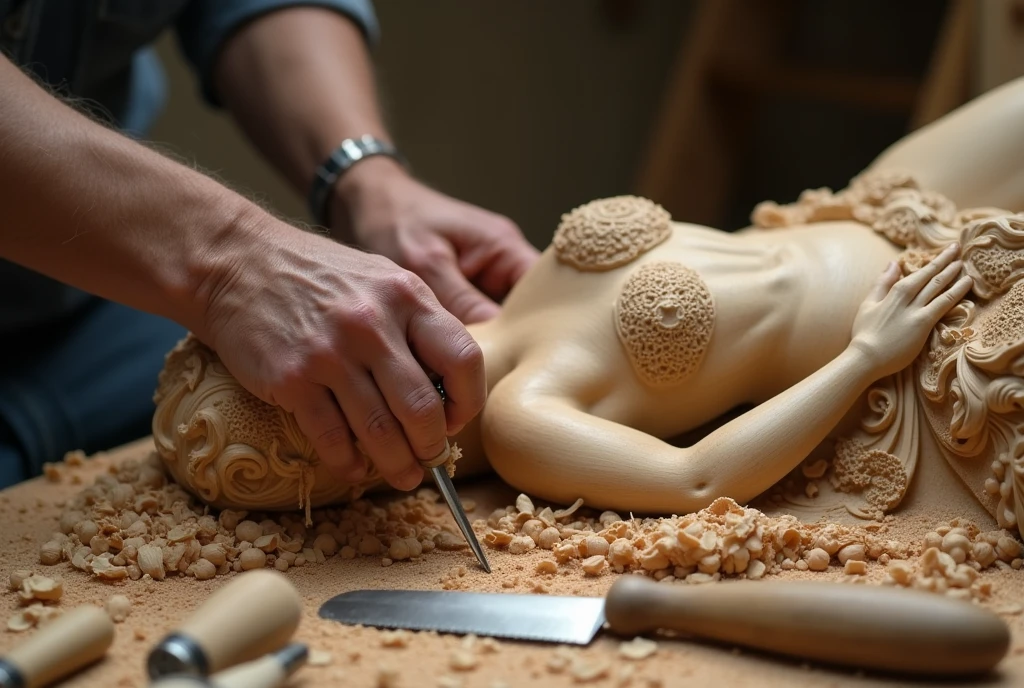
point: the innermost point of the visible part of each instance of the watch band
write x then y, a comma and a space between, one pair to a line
347, 154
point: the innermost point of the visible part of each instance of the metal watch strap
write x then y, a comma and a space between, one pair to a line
347, 154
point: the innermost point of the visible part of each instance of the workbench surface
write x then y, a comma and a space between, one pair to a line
357, 657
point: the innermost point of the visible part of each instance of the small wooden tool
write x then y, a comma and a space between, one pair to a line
254, 614
270, 671
62, 646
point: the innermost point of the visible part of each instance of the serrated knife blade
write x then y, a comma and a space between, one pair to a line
542, 618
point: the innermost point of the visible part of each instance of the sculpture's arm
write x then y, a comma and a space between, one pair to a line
550, 446
974, 155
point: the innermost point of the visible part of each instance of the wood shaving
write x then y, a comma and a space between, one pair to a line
319, 658
638, 648
37, 587
463, 660
396, 638
585, 670
151, 527
118, 608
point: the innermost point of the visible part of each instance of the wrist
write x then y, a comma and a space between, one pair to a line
218, 267
349, 155
365, 184
861, 356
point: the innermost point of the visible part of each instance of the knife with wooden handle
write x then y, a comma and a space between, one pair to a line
867, 627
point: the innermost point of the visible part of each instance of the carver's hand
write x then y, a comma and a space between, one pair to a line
336, 336
894, 320
468, 256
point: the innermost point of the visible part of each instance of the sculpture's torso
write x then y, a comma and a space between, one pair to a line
784, 303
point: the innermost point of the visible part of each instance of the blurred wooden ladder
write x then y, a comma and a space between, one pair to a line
733, 52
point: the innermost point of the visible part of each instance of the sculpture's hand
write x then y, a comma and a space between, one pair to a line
336, 336
469, 257
894, 320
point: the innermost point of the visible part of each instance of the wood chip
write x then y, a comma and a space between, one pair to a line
638, 648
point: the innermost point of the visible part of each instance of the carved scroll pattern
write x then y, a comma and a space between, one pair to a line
231, 449
973, 380
970, 377
873, 466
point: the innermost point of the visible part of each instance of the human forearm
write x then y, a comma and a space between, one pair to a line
94, 209
746, 456
299, 81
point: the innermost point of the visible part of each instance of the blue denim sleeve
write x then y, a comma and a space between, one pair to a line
204, 25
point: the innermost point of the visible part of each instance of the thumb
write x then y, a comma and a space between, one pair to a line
890, 276
457, 294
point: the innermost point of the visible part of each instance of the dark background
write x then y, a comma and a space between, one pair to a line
532, 107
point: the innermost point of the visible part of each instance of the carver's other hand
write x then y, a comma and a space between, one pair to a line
468, 256
336, 336
895, 319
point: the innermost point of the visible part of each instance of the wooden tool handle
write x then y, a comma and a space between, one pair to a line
64, 645
879, 628
254, 614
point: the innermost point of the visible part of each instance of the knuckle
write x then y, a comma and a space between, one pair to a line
361, 317
406, 284
334, 437
285, 381
424, 406
380, 425
469, 357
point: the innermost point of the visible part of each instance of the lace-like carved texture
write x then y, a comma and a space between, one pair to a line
610, 232
877, 474
665, 317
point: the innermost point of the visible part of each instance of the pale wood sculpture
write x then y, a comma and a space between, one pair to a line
633, 329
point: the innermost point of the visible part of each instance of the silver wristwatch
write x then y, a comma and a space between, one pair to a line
347, 154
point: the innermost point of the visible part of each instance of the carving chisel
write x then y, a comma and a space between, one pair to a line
444, 485
254, 613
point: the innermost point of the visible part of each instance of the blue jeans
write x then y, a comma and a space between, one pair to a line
85, 382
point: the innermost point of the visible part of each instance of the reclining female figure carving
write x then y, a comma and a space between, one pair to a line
884, 323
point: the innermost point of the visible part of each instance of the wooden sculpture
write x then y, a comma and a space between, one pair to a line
884, 323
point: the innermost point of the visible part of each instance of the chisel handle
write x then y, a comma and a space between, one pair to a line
252, 615
868, 627
62, 646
